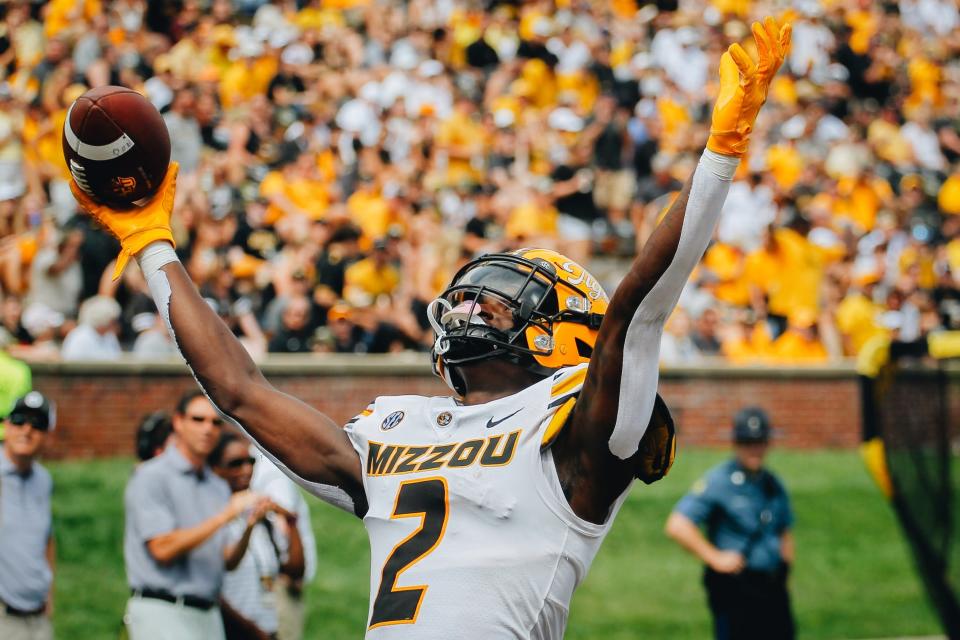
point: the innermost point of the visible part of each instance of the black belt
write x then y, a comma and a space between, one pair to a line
194, 602
21, 613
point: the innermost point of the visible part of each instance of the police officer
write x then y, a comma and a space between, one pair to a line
26, 523
174, 542
748, 547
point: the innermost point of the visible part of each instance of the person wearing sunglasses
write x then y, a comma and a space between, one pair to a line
26, 522
175, 543
266, 539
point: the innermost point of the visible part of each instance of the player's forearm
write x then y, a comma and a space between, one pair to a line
220, 363
649, 293
305, 445
652, 286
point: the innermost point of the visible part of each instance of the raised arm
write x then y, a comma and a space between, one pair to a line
596, 455
304, 443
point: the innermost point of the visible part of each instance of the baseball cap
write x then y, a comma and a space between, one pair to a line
751, 425
339, 311
35, 409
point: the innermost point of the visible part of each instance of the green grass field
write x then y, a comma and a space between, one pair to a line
853, 579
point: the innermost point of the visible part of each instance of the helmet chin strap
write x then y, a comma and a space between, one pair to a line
462, 314
441, 345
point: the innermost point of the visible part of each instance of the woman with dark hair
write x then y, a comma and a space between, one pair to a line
152, 435
270, 535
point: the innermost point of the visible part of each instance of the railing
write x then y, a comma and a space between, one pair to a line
100, 403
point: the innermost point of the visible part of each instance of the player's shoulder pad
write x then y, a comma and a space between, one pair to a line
565, 386
360, 416
383, 406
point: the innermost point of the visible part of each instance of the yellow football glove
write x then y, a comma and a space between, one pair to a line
658, 447
743, 87
135, 228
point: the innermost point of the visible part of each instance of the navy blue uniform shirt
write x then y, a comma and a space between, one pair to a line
742, 511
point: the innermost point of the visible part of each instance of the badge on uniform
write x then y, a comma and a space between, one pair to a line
392, 421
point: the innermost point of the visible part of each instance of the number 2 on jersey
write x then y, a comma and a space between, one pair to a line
426, 499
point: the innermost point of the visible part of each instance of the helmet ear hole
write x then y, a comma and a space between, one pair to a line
523, 313
550, 306
584, 350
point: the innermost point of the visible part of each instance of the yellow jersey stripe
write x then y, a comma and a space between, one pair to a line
575, 380
557, 421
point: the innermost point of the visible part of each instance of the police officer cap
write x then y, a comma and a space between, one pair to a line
35, 408
751, 425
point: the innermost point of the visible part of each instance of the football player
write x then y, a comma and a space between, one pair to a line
485, 510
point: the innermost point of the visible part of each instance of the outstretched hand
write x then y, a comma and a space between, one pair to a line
137, 227
744, 85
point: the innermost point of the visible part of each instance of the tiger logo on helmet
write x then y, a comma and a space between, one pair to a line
533, 307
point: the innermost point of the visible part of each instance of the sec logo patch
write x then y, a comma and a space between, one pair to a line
391, 421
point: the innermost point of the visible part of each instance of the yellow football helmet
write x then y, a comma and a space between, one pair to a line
534, 307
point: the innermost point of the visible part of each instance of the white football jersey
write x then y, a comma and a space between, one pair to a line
470, 534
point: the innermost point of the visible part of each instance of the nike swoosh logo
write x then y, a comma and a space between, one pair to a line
491, 423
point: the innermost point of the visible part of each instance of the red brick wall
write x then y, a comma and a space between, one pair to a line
99, 406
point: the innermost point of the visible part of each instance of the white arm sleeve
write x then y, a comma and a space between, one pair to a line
151, 259
641, 349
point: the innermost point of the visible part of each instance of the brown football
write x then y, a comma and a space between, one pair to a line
116, 146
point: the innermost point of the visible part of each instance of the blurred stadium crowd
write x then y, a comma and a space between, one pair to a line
341, 158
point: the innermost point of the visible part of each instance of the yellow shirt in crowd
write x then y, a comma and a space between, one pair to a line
462, 135
371, 212
923, 262
888, 142
860, 199
786, 164
794, 346
789, 275
308, 195
751, 347
857, 319
246, 78
531, 220
364, 278
64, 14
948, 199
726, 263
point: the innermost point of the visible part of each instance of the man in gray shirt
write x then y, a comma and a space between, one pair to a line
26, 523
174, 544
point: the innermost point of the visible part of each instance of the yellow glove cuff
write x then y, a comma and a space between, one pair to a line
729, 143
137, 241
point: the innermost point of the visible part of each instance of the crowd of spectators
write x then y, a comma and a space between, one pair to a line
341, 158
